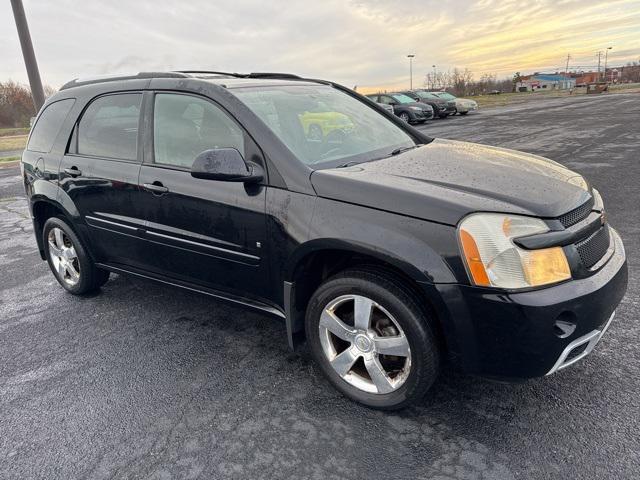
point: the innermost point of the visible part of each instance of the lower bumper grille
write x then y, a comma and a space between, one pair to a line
580, 347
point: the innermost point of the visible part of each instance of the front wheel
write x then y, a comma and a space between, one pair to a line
372, 339
404, 116
463, 113
68, 259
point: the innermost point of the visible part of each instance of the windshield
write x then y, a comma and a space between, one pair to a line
400, 97
323, 126
426, 95
445, 95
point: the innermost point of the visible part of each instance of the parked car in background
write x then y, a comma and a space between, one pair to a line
440, 106
404, 107
324, 125
463, 105
388, 108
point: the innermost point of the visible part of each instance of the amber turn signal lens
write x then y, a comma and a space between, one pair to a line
474, 262
545, 266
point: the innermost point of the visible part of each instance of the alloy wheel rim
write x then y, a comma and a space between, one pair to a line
63, 256
364, 344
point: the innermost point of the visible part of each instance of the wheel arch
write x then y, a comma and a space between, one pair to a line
317, 260
44, 207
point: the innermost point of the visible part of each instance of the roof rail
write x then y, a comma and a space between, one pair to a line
180, 74
275, 75
114, 78
211, 72
265, 75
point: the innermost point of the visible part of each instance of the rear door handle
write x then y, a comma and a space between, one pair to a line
155, 187
73, 172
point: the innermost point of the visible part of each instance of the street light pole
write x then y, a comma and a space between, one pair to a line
435, 76
37, 92
410, 57
606, 55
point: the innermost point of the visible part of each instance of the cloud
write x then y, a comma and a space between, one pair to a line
363, 42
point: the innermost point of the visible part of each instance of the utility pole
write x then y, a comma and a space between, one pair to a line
435, 76
606, 55
599, 55
37, 92
566, 68
410, 57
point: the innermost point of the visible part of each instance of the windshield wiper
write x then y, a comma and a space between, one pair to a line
398, 151
348, 164
395, 152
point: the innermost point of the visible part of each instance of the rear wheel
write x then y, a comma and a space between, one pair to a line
372, 339
68, 259
463, 113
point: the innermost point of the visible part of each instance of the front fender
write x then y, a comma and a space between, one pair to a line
420, 249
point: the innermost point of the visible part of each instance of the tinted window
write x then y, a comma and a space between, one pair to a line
109, 127
403, 98
48, 126
184, 126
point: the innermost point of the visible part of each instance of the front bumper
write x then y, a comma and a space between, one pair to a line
514, 335
466, 108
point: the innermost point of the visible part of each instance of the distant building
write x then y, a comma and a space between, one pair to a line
540, 81
585, 78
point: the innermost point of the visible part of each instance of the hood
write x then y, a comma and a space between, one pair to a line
437, 101
416, 104
445, 180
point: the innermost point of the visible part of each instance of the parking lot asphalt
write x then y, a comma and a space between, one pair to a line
145, 381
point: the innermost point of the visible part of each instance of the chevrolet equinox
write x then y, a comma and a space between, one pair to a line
387, 251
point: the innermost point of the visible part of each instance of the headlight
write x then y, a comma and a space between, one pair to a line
415, 108
597, 198
494, 260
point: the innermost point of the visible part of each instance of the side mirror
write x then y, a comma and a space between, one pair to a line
225, 164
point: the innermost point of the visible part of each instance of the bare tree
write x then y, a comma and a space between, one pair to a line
16, 104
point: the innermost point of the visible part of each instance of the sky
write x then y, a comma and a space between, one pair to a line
353, 42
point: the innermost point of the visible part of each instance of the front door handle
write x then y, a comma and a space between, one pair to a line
73, 171
155, 187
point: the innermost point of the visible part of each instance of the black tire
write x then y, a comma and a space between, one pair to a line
90, 277
463, 113
406, 309
443, 115
405, 117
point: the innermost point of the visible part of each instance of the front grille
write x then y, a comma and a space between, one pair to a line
593, 248
577, 214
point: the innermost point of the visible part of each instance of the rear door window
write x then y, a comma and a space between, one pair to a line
109, 127
48, 126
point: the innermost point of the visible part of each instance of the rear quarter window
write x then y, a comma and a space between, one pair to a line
48, 125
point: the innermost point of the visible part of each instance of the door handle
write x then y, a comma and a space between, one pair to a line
73, 172
155, 187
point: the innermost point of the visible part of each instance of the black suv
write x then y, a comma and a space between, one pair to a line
387, 250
